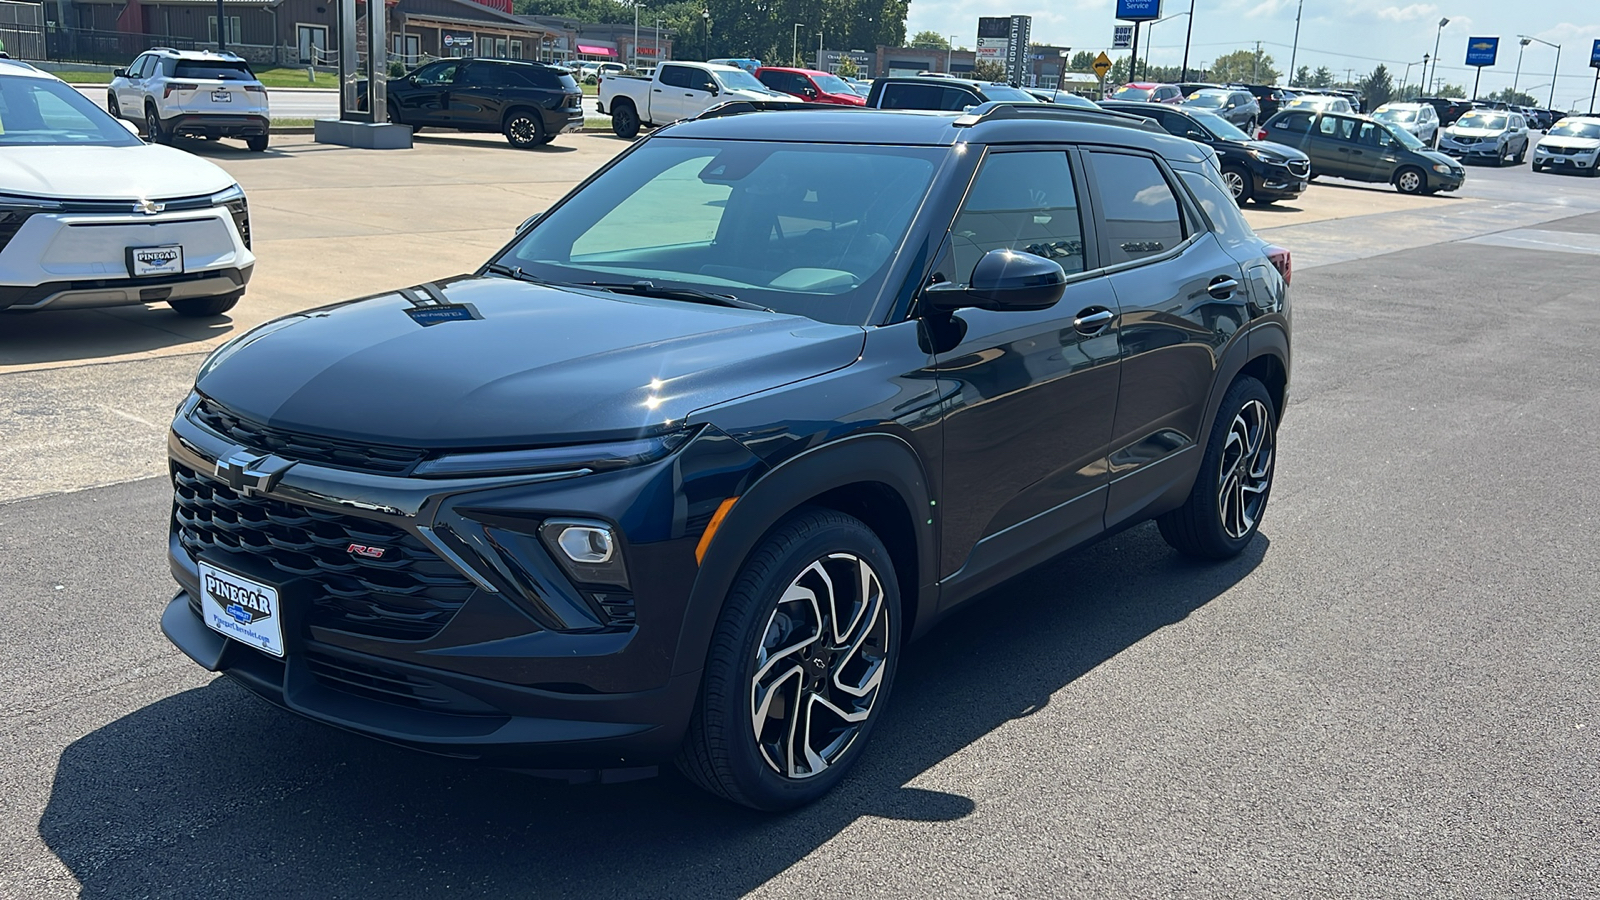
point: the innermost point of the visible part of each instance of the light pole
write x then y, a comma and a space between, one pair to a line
1521, 46
1150, 40
1527, 39
949, 51
636, 35
1407, 77
1436, 36
794, 46
1061, 76
705, 31
1189, 35
1294, 53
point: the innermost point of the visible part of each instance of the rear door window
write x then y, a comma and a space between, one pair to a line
1296, 122
675, 76
1141, 211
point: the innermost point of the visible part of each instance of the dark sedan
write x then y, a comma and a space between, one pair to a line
1254, 170
530, 103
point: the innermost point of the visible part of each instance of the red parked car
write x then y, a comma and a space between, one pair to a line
1149, 92
810, 85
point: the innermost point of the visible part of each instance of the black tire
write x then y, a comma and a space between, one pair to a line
524, 129
204, 307
1411, 180
1239, 183
256, 142
1240, 460
1522, 155
112, 107
624, 120
1500, 160
723, 751
153, 131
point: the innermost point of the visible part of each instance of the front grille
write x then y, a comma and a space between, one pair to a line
303, 447
373, 682
409, 594
1567, 151
1299, 167
11, 222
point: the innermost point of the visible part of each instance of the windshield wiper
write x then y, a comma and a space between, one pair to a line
692, 295
512, 272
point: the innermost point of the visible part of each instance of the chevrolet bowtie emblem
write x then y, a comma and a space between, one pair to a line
249, 474
149, 207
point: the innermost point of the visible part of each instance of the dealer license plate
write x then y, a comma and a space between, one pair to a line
222, 96
241, 608
145, 261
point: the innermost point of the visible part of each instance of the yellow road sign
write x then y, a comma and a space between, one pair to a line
1102, 64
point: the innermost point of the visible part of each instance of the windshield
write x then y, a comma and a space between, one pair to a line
1491, 121
1589, 130
832, 84
45, 111
1219, 127
1131, 93
810, 229
1008, 93
1406, 139
1207, 99
740, 80
862, 90
1399, 116
1311, 102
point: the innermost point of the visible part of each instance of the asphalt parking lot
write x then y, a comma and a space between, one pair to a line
1392, 693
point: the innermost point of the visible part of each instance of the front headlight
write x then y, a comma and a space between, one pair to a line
580, 458
10, 203
238, 207
1441, 168
1267, 156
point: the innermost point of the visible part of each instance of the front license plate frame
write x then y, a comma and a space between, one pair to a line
241, 608
149, 262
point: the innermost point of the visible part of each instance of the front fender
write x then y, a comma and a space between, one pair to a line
875, 457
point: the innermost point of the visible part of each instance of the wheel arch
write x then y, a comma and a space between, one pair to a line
875, 477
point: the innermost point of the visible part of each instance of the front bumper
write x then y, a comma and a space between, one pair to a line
217, 125
564, 121
1278, 181
97, 293
1587, 161
520, 666
1480, 150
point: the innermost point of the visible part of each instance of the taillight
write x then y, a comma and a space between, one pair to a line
178, 86
1261, 134
255, 89
1281, 260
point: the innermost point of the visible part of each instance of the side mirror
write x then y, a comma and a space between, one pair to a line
1005, 281
1195, 135
528, 222
119, 73
132, 128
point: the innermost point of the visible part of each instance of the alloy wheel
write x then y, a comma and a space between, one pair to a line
1409, 182
820, 666
1235, 183
522, 130
1245, 471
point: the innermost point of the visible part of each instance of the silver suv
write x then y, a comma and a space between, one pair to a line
191, 92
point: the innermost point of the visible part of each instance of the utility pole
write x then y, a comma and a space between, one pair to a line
635, 35
794, 46
1295, 53
1255, 77
1133, 61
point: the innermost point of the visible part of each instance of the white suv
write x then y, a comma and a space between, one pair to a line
92, 216
192, 92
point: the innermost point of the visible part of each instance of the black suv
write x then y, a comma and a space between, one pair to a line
530, 103
947, 94
680, 472
1253, 170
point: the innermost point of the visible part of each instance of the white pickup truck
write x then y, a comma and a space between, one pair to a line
678, 90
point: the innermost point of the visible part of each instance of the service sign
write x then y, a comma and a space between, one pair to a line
1594, 56
1481, 51
1138, 10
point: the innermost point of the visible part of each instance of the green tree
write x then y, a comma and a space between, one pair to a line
1376, 89
1252, 66
1322, 78
930, 40
1451, 90
1082, 61
1302, 75
988, 70
1515, 98
846, 68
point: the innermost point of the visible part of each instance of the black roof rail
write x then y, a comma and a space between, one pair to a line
999, 110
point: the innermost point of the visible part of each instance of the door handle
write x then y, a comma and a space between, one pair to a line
657, 90
1222, 287
1093, 320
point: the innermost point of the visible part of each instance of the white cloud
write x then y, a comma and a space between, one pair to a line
1408, 13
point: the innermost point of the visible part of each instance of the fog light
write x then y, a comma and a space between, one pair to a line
588, 544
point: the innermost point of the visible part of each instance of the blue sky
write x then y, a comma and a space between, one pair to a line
1339, 34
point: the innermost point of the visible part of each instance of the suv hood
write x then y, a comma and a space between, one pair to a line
1574, 142
142, 172
1457, 131
535, 365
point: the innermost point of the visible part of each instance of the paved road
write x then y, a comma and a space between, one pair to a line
296, 104
1393, 693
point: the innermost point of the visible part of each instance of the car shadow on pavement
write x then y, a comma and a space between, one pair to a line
429, 137
212, 793
1278, 207
32, 338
